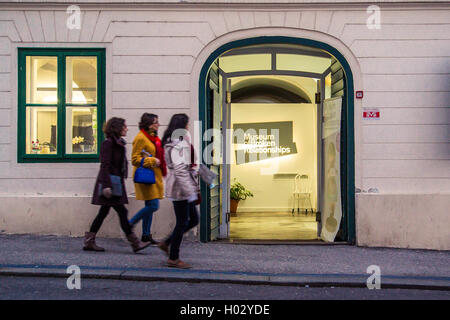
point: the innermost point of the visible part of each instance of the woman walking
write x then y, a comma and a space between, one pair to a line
109, 190
181, 186
147, 145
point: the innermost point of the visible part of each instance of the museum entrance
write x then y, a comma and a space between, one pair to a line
276, 159
274, 113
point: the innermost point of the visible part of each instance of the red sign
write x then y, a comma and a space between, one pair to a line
371, 114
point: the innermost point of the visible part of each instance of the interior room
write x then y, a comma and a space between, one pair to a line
268, 214
42, 105
284, 185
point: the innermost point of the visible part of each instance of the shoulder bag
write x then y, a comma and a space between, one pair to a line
116, 186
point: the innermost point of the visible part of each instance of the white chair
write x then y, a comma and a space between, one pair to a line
302, 190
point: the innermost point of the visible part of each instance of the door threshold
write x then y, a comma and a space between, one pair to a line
280, 242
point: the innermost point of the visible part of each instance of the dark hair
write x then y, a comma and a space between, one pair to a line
113, 127
147, 119
178, 121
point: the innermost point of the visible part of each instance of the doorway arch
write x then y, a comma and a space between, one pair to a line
348, 130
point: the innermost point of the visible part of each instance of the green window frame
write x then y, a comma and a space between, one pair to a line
59, 153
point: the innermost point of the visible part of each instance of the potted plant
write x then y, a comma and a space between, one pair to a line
237, 192
47, 147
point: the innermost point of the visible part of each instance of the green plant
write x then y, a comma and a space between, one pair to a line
239, 192
50, 145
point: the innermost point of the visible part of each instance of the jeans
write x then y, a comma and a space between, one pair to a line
146, 214
103, 212
187, 218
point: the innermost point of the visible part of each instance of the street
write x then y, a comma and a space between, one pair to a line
12, 288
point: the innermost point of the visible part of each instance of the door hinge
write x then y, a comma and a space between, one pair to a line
228, 217
318, 97
228, 96
318, 216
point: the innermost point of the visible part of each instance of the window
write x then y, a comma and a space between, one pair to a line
61, 104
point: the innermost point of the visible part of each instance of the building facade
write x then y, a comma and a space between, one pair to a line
66, 66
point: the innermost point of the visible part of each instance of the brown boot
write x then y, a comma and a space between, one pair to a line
164, 247
135, 243
89, 242
178, 264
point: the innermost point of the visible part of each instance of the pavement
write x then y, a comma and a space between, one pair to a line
224, 262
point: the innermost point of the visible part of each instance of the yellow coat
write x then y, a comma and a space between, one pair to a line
146, 191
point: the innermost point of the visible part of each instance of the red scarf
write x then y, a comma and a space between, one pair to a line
159, 150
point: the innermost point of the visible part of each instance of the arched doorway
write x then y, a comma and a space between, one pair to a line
273, 83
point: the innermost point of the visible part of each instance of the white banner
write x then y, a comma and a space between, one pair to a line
331, 213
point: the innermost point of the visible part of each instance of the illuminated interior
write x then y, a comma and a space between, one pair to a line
81, 130
42, 80
275, 90
81, 80
41, 130
42, 105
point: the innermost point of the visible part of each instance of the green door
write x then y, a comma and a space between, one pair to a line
213, 121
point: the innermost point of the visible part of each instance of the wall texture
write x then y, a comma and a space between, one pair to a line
73, 216
408, 221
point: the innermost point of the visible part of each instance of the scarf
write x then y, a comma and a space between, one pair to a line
159, 150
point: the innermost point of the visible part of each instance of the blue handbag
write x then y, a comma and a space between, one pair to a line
144, 175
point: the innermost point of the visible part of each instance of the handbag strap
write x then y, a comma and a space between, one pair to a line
142, 160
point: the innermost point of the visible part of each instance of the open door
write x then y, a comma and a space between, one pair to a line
225, 166
333, 213
214, 195
269, 69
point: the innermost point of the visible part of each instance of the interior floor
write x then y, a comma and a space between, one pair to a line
273, 226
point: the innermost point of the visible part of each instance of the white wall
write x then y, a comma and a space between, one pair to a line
73, 216
403, 221
272, 194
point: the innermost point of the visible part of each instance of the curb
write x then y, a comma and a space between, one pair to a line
202, 276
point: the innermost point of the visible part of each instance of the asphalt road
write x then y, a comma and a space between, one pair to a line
26, 288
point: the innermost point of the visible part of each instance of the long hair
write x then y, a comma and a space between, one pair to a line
113, 127
177, 122
147, 119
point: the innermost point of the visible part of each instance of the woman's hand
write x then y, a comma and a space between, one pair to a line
194, 173
157, 162
107, 193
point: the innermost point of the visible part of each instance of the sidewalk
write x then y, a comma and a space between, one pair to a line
299, 265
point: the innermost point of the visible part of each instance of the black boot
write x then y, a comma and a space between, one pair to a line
148, 238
